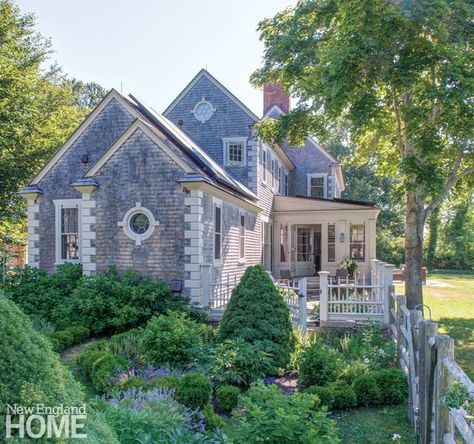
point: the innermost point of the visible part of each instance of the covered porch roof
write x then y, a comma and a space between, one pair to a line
300, 205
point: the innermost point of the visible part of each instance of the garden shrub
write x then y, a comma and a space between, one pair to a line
168, 382
352, 370
319, 365
32, 373
228, 397
169, 339
105, 368
87, 358
344, 395
367, 390
194, 390
212, 419
127, 344
324, 392
236, 362
114, 302
152, 416
269, 416
393, 385
257, 312
62, 339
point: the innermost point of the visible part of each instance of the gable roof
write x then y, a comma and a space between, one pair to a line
219, 85
194, 155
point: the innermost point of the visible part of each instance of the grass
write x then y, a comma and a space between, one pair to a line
375, 425
451, 300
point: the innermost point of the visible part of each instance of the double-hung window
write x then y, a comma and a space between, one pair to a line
331, 242
286, 184
357, 244
67, 230
264, 164
317, 185
242, 238
234, 151
217, 232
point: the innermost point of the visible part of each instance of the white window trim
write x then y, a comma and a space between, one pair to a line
125, 223
216, 203
242, 258
272, 166
265, 155
226, 141
315, 175
66, 203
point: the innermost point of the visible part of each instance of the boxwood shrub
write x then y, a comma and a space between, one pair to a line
344, 395
324, 392
367, 390
194, 390
319, 365
105, 368
257, 313
393, 385
228, 397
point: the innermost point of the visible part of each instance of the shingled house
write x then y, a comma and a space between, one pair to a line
193, 189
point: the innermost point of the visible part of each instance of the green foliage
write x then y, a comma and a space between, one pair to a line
269, 416
194, 390
324, 393
32, 373
87, 358
236, 362
115, 302
168, 339
393, 385
344, 396
127, 344
228, 396
352, 370
212, 419
257, 313
60, 340
367, 390
105, 368
319, 365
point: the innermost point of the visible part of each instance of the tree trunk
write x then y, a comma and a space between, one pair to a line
414, 225
433, 242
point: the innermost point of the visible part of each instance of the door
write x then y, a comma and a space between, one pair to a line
304, 251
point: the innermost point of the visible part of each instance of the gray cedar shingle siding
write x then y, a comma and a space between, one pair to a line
140, 172
229, 120
99, 136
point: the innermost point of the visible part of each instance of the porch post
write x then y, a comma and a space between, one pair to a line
387, 283
302, 300
206, 284
323, 300
373, 271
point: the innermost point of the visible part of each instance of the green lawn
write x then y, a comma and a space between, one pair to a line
451, 299
375, 425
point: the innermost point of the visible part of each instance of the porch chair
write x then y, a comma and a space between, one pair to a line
286, 275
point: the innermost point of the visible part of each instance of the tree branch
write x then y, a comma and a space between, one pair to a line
453, 178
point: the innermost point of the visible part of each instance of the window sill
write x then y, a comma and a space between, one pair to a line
242, 262
218, 263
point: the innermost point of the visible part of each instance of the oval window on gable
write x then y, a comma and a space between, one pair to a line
138, 223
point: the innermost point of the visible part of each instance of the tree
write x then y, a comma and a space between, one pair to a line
38, 111
400, 73
88, 94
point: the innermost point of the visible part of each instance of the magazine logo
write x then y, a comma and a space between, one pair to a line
41, 421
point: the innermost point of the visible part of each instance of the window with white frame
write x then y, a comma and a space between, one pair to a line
303, 245
266, 246
273, 172
280, 178
264, 164
217, 232
357, 242
331, 242
317, 185
234, 151
242, 237
67, 230
283, 243
286, 184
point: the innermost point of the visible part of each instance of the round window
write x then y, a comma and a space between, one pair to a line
139, 223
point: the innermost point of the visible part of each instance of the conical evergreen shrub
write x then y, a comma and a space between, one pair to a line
258, 314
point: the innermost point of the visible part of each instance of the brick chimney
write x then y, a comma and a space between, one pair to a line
274, 94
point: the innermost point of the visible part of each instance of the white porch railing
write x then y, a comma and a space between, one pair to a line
358, 300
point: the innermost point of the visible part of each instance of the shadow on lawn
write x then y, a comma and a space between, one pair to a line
462, 331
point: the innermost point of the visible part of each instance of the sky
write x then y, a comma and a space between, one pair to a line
153, 48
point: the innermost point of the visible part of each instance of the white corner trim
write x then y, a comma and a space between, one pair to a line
125, 223
310, 176
217, 84
225, 144
137, 125
66, 203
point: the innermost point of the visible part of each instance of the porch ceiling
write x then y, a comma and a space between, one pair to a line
291, 204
